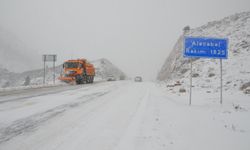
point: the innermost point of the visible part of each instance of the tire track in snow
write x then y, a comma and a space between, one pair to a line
128, 140
31, 123
35, 93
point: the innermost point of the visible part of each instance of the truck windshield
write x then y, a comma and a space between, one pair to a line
71, 65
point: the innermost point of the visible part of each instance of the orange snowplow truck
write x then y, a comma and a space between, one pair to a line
79, 71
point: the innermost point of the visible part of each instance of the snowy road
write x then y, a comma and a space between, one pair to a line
117, 116
18, 94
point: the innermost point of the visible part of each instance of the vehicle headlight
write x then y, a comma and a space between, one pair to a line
70, 72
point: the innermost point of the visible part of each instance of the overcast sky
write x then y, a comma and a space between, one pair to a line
136, 35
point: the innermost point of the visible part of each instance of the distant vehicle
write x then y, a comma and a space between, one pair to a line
111, 78
79, 70
138, 79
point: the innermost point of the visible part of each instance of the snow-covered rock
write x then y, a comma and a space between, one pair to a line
206, 72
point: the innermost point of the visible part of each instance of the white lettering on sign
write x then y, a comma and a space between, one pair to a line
205, 47
218, 52
208, 44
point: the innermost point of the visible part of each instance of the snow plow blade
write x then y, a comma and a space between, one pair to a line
67, 79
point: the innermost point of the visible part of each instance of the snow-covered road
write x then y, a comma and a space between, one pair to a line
120, 115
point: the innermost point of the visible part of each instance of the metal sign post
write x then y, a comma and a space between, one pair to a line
221, 86
190, 93
44, 71
54, 74
205, 47
50, 58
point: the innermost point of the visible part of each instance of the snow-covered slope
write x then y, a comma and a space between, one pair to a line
11, 79
236, 69
104, 68
5, 77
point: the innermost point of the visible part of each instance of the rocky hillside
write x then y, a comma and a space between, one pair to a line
104, 68
236, 69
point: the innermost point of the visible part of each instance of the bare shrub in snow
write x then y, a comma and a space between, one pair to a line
247, 90
184, 70
182, 90
195, 75
211, 75
245, 85
27, 81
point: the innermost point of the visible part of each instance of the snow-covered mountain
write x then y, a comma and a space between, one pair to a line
104, 68
206, 72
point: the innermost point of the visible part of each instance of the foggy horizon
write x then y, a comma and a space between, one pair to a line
136, 36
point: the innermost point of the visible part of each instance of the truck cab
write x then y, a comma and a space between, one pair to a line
78, 70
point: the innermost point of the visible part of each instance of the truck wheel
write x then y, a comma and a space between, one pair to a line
79, 79
84, 80
88, 79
